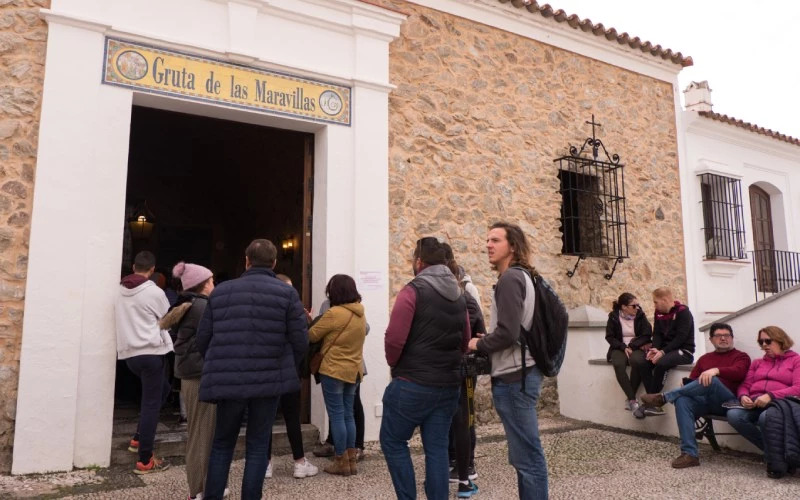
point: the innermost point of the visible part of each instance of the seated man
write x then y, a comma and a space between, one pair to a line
715, 378
673, 345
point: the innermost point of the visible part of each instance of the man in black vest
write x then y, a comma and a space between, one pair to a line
427, 334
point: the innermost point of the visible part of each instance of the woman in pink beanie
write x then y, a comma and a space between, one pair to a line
182, 322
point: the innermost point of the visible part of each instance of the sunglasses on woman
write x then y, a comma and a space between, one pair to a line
764, 341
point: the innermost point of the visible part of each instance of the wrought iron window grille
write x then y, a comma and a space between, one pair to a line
723, 217
593, 221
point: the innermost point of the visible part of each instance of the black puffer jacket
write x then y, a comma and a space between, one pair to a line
182, 321
641, 328
782, 434
253, 336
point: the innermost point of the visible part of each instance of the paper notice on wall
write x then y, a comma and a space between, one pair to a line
370, 280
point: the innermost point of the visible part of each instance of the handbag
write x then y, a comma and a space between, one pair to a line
316, 358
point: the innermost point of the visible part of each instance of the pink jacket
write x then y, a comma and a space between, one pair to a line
778, 376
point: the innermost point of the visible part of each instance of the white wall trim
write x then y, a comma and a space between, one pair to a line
521, 22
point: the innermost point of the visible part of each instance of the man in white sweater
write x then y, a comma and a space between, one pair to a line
143, 346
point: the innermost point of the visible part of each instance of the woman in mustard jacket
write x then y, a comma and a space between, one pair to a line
342, 330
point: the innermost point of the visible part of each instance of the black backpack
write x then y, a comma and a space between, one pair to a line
547, 338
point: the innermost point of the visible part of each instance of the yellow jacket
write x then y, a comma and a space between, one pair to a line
342, 360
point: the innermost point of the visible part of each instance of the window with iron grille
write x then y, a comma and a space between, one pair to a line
723, 217
592, 191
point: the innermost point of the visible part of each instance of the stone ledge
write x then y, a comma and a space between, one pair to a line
602, 361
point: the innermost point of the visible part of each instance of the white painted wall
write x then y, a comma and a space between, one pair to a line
721, 287
68, 347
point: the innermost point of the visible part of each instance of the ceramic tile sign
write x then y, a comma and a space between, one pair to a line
167, 72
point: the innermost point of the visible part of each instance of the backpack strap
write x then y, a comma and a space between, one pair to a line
522, 343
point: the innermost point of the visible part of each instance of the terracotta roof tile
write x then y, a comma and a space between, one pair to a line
610, 34
749, 126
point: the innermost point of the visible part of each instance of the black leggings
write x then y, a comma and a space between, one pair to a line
629, 384
654, 375
358, 415
290, 407
462, 429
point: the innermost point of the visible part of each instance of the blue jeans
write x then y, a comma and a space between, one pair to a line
749, 423
693, 400
407, 405
517, 411
260, 416
339, 396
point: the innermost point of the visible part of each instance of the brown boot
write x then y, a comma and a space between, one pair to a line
352, 455
340, 465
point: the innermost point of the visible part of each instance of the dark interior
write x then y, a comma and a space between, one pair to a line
209, 187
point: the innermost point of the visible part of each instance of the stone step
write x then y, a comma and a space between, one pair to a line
171, 441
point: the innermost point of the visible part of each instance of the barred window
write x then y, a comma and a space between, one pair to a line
723, 217
592, 208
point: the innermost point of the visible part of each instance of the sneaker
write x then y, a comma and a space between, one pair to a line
323, 450
182, 422
133, 446
628, 404
199, 496
472, 474
360, 455
684, 461
305, 469
268, 475
467, 490
634, 405
639, 412
653, 400
654, 412
155, 465
453, 475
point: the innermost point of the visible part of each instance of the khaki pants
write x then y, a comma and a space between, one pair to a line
201, 421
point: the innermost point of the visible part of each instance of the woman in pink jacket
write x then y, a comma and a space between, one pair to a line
775, 376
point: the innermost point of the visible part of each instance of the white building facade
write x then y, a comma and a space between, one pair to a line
741, 187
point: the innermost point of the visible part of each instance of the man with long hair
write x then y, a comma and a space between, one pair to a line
512, 309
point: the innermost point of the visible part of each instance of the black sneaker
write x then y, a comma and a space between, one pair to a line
473, 474
654, 412
453, 475
467, 490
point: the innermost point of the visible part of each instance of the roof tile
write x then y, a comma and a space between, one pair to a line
749, 126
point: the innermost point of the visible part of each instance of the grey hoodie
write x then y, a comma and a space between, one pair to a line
442, 280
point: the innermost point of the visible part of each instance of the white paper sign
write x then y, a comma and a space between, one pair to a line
370, 280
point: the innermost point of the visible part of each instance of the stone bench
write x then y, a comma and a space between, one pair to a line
704, 424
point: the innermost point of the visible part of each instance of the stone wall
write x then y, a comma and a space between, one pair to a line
23, 36
476, 121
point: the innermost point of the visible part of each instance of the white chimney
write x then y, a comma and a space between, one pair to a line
697, 96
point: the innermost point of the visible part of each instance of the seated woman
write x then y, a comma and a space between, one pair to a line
342, 330
775, 376
626, 331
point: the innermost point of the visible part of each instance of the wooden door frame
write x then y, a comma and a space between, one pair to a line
308, 206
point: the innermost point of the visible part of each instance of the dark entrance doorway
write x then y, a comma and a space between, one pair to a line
200, 189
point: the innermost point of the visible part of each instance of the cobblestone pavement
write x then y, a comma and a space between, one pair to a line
584, 461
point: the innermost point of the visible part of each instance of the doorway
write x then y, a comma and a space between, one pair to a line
763, 240
200, 189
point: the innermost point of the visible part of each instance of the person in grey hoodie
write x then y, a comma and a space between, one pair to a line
143, 345
427, 334
512, 309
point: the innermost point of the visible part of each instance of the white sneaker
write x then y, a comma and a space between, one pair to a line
268, 475
305, 469
199, 496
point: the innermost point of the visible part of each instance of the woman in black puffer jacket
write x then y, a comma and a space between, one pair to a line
627, 330
182, 321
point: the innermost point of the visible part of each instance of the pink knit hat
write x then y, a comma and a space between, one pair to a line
190, 274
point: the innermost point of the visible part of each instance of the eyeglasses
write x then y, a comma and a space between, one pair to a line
723, 336
764, 341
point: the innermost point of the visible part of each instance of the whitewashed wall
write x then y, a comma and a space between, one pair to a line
719, 287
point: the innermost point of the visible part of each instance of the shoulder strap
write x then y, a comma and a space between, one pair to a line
352, 315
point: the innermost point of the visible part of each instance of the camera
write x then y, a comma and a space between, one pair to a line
475, 363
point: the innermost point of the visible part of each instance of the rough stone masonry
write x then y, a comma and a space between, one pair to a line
22, 53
